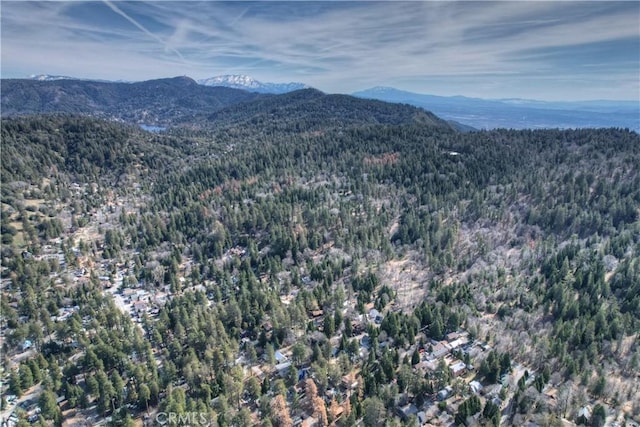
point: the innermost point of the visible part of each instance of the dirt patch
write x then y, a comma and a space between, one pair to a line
408, 278
382, 159
394, 227
87, 234
608, 276
33, 202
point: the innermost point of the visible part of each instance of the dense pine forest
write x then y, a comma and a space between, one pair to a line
312, 258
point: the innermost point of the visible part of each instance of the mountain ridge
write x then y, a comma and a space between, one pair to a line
153, 102
314, 108
516, 113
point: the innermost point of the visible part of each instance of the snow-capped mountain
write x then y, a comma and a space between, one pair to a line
49, 78
252, 85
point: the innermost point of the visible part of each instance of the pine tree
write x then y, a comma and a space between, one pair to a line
15, 383
415, 357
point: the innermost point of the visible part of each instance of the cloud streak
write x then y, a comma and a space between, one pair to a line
549, 50
119, 11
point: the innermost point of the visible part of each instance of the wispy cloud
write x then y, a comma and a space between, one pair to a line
529, 49
119, 11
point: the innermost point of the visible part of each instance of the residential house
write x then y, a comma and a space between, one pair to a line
280, 358
128, 294
457, 343
422, 418
375, 316
349, 381
458, 368
316, 313
426, 365
492, 390
444, 393
283, 368
452, 336
139, 307
406, 411
441, 349
257, 372
475, 386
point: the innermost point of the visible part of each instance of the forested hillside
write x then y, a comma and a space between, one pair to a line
309, 257
154, 102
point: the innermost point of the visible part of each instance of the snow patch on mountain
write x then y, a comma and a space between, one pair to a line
247, 83
49, 78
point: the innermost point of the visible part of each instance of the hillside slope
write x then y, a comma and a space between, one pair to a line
345, 241
154, 102
310, 109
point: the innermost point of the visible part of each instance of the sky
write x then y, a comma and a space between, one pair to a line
555, 51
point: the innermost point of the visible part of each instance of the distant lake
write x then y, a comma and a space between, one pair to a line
150, 128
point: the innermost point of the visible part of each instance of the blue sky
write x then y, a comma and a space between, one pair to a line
522, 49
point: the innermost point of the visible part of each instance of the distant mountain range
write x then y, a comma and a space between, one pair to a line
251, 85
463, 113
234, 81
156, 104
517, 113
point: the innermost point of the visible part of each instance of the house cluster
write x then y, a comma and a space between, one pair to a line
30, 408
139, 299
434, 351
432, 354
65, 313
136, 301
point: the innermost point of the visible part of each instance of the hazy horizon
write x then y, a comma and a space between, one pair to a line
547, 51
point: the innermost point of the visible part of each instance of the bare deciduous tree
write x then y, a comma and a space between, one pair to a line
280, 412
